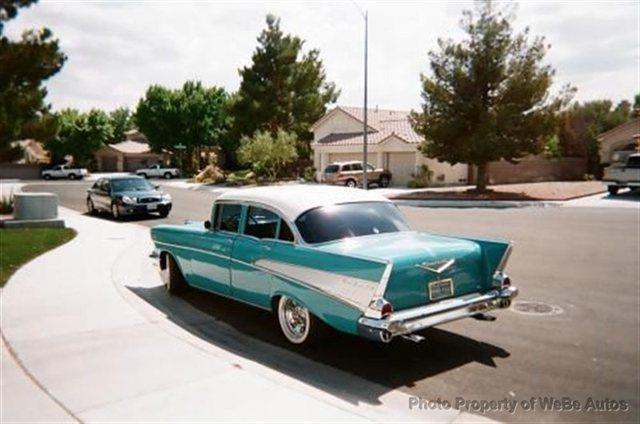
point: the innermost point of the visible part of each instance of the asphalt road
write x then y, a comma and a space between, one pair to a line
580, 341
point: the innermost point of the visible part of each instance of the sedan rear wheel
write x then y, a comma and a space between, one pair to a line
115, 212
167, 175
90, 206
298, 325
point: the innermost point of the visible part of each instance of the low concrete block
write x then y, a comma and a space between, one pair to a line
33, 223
35, 206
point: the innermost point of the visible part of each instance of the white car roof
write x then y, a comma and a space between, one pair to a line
295, 199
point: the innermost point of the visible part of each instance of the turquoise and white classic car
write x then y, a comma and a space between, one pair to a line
339, 256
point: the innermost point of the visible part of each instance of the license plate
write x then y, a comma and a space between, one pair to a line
441, 289
152, 207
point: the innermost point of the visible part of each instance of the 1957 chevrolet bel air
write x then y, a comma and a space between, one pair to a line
342, 256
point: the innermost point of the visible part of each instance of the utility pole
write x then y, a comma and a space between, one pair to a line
365, 184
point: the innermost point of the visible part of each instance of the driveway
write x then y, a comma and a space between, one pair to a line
579, 340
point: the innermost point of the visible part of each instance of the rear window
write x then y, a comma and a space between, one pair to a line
633, 162
348, 220
331, 169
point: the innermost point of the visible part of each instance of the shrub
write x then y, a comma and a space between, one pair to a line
268, 155
6, 204
242, 177
309, 173
422, 178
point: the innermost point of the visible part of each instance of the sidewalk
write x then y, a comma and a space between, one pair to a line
91, 324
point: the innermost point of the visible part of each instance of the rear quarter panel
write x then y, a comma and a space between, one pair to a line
335, 288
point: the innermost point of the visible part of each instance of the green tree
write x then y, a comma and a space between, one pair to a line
268, 155
121, 121
26, 64
581, 124
193, 116
80, 135
487, 97
282, 88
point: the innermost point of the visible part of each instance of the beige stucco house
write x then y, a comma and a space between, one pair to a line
392, 144
619, 142
129, 155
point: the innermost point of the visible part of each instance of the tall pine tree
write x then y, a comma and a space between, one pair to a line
487, 98
24, 65
282, 89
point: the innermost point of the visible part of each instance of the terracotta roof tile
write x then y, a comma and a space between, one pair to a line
385, 122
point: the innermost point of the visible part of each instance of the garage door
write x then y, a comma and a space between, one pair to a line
402, 166
109, 163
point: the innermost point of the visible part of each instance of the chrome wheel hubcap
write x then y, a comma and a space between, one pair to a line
294, 320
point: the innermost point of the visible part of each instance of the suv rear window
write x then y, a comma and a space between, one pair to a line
633, 162
331, 169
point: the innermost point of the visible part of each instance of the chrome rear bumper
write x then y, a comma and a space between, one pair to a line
412, 320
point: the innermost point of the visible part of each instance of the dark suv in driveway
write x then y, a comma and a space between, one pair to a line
126, 196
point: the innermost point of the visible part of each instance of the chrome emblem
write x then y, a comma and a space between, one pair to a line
437, 267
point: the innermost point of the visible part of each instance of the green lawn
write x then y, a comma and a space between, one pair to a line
18, 246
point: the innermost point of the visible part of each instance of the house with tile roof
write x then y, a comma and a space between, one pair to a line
392, 144
619, 142
130, 154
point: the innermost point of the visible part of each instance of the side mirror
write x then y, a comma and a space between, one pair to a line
207, 224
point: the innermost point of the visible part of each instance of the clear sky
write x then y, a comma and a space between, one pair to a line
117, 49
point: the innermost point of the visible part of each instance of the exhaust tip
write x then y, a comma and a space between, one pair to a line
385, 336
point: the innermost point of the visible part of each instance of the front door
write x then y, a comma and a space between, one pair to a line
212, 261
249, 282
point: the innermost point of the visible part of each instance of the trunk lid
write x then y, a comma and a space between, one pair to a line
417, 258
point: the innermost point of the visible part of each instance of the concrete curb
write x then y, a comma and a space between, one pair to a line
494, 204
103, 339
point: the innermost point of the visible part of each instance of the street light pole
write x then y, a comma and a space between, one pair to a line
365, 184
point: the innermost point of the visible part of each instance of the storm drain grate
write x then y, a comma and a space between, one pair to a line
530, 307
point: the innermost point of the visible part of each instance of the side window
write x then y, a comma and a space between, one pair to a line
285, 232
261, 223
356, 167
106, 186
228, 218
346, 168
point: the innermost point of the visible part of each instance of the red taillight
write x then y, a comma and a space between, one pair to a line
506, 282
387, 309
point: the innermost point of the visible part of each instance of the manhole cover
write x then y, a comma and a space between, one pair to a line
529, 307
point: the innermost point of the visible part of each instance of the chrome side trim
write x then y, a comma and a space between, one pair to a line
371, 311
355, 291
321, 290
505, 258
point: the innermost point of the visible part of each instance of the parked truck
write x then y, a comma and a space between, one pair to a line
623, 175
158, 171
64, 171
